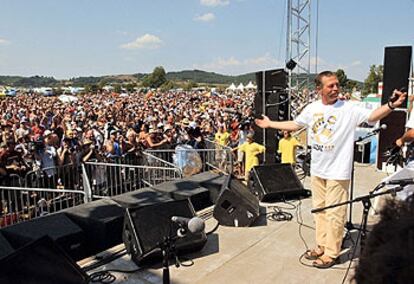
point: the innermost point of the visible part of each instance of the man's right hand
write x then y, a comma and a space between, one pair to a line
264, 122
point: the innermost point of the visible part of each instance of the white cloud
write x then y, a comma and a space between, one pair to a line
233, 65
208, 17
146, 41
356, 63
4, 41
214, 3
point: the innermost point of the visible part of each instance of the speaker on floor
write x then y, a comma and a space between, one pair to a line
40, 261
236, 206
275, 181
186, 189
101, 221
69, 236
397, 67
145, 228
142, 197
5, 247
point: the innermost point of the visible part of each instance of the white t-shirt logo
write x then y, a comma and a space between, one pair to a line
322, 130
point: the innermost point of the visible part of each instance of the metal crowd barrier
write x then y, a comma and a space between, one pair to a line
67, 176
109, 179
21, 204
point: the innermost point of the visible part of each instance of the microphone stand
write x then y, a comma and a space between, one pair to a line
168, 249
349, 224
366, 202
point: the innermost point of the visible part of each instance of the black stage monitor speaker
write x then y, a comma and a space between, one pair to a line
41, 261
145, 228
102, 222
275, 181
236, 206
58, 226
186, 189
397, 66
142, 197
5, 247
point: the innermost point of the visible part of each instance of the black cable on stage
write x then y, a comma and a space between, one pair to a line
278, 214
181, 263
301, 224
105, 276
354, 251
214, 229
105, 260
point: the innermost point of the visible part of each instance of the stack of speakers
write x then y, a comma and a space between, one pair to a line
140, 219
272, 100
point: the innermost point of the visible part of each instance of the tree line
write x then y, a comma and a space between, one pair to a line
183, 79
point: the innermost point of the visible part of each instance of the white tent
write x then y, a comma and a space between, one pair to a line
250, 86
240, 87
67, 98
232, 87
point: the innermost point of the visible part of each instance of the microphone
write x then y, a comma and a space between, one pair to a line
402, 182
194, 225
378, 129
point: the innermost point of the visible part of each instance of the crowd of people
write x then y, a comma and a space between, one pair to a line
40, 132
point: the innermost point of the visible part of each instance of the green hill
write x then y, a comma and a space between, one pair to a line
197, 76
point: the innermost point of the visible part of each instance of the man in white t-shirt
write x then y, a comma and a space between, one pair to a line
331, 123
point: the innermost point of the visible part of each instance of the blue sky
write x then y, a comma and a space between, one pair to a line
65, 39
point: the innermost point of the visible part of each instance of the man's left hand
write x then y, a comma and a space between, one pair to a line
398, 98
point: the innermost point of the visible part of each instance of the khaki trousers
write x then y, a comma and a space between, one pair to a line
329, 223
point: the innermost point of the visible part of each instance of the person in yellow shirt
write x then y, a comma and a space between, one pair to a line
251, 151
222, 138
287, 148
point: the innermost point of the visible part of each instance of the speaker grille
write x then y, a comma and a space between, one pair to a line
275, 181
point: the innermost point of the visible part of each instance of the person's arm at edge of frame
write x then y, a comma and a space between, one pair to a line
406, 138
387, 108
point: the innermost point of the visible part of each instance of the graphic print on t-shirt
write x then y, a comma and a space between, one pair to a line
322, 130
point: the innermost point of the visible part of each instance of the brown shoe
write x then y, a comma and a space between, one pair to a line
325, 262
313, 254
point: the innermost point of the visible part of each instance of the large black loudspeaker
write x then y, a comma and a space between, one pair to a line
58, 226
236, 206
145, 228
41, 261
395, 122
272, 100
277, 181
101, 221
271, 80
397, 67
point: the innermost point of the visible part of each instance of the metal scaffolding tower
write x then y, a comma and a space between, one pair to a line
298, 45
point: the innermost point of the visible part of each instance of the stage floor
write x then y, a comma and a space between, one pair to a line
267, 252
